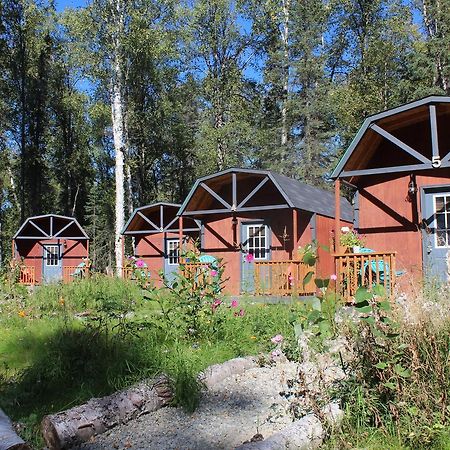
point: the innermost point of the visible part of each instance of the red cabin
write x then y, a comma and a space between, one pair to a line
255, 221
50, 248
155, 229
399, 168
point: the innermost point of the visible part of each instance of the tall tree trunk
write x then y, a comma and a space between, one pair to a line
118, 116
285, 40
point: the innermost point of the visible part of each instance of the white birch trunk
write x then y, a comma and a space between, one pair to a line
117, 116
285, 40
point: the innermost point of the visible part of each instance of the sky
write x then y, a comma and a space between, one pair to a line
63, 4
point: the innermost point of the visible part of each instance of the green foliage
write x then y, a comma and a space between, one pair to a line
401, 374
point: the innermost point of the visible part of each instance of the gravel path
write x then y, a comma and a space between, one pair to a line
230, 413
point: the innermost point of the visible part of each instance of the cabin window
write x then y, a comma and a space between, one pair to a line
257, 241
442, 217
52, 255
173, 255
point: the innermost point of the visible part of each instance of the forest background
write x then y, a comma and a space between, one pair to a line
119, 103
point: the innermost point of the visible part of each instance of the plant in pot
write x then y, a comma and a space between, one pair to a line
351, 239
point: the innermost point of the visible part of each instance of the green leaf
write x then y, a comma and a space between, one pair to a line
313, 316
364, 309
298, 330
390, 385
381, 365
309, 259
369, 319
322, 282
401, 371
307, 278
384, 306
362, 294
316, 304
379, 290
324, 326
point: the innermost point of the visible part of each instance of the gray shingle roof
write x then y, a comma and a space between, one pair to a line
310, 198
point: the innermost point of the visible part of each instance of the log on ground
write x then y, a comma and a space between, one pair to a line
79, 424
9, 440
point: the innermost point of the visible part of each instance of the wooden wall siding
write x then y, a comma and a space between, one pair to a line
32, 253
390, 220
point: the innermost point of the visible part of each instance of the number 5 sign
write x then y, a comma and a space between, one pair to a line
436, 161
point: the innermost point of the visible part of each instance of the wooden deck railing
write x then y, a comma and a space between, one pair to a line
27, 276
71, 273
199, 272
141, 274
283, 278
356, 270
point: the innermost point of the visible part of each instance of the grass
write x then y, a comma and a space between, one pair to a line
64, 344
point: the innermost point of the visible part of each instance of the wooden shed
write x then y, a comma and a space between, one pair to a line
255, 220
156, 233
50, 248
399, 168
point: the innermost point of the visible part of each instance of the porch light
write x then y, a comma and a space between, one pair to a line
412, 187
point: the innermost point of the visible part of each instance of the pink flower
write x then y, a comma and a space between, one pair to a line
217, 302
276, 353
213, 273
333, 277
249, 257
234, 303
277, 339
139, 263
241, 313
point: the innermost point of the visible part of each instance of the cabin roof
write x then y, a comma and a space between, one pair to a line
156, 218
401, 139
291, 194
51, 226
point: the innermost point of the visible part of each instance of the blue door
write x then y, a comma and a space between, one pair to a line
436, 232
52, 263
255, 238
171, 259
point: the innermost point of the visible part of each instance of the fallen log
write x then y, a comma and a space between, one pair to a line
9, 440
74, 426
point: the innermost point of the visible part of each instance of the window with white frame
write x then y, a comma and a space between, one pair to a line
442, 220
257, 240
51, 255
173, 255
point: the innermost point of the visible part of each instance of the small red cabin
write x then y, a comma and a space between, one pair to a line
399, 168
255, 221
155, 229
50, 248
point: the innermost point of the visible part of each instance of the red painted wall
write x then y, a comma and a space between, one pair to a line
32, 252
390, 220
150, 248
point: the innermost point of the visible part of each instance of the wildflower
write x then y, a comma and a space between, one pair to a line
140, 263
333, 277
22, 313
277, 339
61, 301
345, 229
213, 273
253, 337
217, 302
234, 303
275, 353
241, 313
249, 257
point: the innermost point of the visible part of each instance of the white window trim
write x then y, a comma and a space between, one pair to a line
46, 247
440, 194
168, 256
266, 233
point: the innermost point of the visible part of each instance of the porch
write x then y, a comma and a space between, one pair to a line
354, 270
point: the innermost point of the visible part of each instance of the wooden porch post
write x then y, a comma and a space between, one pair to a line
13, 252
180, 237
337, 215
294, 233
